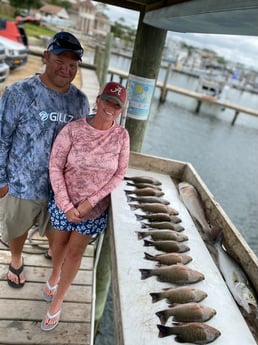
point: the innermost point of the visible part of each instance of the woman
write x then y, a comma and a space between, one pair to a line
88, 160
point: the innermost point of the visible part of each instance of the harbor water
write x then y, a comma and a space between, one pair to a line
224, 156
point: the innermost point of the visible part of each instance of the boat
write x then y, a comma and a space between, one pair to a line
135, 314
15, 31
210, 86
212, 81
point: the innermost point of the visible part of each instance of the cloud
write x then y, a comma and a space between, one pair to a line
115, 13
243, 49
130, 17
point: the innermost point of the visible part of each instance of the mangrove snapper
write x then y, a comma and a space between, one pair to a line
163, 225
143, 179
143, 185
192, 332
145, 192
181, 294
192, 201
168, 246
187, 312
154, 207
169, 259
159, 217
148, 199
175, 274
161, 234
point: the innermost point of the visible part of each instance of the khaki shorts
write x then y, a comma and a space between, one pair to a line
18, 215
1, 214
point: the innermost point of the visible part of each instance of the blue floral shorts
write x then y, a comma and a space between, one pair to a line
88, 227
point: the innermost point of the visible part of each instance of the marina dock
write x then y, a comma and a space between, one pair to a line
91, 88
200, 98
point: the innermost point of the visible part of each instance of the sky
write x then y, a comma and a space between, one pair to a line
243, 49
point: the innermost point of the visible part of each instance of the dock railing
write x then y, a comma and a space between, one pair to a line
164, 87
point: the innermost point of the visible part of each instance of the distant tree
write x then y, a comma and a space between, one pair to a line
221, 60
117, 29
62, 3
66, 4
102, 7
209, 51
124, 32
121, 20
28, 4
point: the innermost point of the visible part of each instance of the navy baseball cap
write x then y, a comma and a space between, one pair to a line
65, 42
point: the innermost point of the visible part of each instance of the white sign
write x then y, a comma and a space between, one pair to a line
139, 91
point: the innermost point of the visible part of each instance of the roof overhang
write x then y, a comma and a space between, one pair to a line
232, 17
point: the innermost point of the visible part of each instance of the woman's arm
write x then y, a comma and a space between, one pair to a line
123, 160
58, 159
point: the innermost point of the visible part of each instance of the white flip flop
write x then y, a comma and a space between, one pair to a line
52, 290
45, 327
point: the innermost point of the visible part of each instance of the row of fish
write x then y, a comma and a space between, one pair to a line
162, 224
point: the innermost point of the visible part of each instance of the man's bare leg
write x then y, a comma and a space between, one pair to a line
16, 247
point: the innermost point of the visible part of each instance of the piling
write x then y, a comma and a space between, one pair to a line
106, 59
146, 60
163, 93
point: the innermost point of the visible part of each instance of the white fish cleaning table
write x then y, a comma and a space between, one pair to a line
135, 319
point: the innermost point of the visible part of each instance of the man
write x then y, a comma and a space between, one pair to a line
32, 112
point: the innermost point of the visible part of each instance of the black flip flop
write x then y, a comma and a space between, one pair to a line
4, 243
17, 272
47, 256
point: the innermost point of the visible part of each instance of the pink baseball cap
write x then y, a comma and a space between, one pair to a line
114, 91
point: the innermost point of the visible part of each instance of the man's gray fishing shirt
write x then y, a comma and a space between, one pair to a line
31, 115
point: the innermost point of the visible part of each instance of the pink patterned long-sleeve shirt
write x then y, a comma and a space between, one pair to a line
87, 163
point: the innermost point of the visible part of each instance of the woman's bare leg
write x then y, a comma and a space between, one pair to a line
75, 248
59, 247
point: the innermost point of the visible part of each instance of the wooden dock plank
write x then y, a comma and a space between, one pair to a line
40, 274
31, 310
189, 93
76, 293
86, 264
28, 332
23, 309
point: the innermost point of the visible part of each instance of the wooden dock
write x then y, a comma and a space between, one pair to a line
91, 87
185, 92
23, 309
